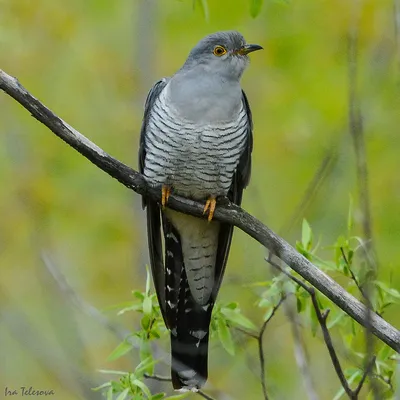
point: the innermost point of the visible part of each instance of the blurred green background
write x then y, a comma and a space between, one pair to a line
92, 63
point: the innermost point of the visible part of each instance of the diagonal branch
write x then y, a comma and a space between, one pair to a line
226, 213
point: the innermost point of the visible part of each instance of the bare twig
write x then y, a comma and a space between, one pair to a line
158, 377
357, 134
260, 345
322, 318
367, 371
229, 213
355, 280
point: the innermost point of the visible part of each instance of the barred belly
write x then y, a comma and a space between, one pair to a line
196, 160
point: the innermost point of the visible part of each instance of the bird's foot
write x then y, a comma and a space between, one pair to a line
165, 193
210, 207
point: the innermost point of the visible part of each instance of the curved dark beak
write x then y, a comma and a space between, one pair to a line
248, 48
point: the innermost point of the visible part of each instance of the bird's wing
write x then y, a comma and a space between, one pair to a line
240, 180
153, 209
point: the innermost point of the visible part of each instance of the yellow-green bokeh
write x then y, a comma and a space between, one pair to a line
92, 63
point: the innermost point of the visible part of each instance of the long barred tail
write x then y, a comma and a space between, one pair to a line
189, 343
188, 321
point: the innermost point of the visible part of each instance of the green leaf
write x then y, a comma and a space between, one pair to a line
123, 348
110, 394
143, 387
385, 352
332, 322
255, 7
350, 219
132, 307
145, 322
104, 385
123, 395
148, 280
158, 396
204, 8
233, 305
299, 303
112, 372
268, 314
306, 235
225, 337
145, 354
237, 318
147, 305
138, 295
392, 292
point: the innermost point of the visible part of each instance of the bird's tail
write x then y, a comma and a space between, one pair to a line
189, 361
189, 340
187, 320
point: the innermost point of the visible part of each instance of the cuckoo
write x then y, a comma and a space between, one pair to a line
196, 141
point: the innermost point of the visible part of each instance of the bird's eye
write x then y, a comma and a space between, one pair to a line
219, 51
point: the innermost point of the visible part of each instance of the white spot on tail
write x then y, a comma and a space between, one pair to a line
198, 334
170, 235
172, 306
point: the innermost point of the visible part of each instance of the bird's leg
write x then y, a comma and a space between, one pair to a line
165, 193
210, 207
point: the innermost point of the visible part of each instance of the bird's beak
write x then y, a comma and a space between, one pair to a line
248, 48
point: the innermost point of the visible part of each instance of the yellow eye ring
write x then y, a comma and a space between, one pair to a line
219, 51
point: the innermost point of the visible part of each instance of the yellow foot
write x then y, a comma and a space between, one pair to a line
210, 207
165, 193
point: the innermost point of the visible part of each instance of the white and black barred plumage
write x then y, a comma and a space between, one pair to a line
198, 157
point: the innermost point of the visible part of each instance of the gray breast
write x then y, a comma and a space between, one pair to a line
196, 159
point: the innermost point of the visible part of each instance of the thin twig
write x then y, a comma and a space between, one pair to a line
367, 372
357, 134
228, 213
387, 381
260, 345
156, 377
246, 332
360, 288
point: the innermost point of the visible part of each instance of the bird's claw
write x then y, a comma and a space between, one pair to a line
165, 193
210, 207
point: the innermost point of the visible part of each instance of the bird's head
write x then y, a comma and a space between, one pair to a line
224, 53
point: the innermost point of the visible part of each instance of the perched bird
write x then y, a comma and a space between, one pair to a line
196, 141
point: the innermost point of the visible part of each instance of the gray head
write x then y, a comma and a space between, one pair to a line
223, 53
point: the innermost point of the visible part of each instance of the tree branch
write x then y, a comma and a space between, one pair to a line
229, 213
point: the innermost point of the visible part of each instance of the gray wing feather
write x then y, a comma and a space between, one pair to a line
153, 209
